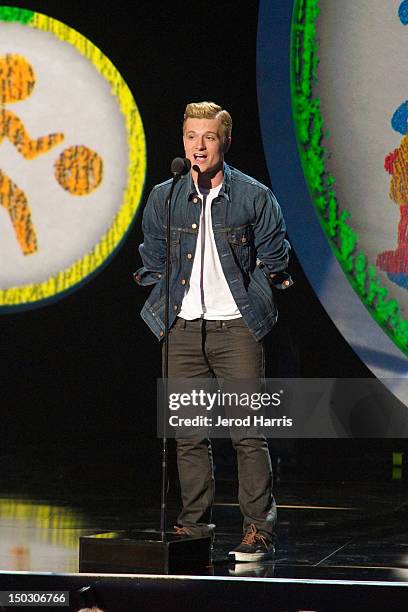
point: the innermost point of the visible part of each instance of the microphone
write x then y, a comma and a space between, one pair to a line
180, 166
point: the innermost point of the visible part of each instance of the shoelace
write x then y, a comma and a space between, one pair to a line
182, 530
253, 535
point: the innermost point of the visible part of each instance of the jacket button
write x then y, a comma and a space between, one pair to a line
161, 334
175, 307
195, 200
286, 282
183, 282
189, 256
194, 226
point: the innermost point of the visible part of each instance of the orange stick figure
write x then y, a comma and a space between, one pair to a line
17, 81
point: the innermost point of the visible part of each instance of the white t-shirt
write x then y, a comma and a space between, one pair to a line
208, 295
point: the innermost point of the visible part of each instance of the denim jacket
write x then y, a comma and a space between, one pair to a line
249, 233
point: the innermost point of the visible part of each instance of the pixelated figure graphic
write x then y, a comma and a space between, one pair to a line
395, 263
79, 170
17, 80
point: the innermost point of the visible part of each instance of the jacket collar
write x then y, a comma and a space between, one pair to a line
225, 187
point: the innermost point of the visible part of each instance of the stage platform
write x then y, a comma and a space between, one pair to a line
342, 544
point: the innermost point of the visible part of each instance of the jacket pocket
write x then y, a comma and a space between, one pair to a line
261, 292
241, 243
157, 294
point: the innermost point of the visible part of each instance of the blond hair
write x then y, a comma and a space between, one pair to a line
209, 110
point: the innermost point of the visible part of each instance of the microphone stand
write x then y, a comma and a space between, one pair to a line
163, 506
178, 167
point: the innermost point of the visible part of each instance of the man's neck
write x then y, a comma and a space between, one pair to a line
207, 181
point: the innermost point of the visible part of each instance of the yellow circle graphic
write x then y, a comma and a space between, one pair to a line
72, 158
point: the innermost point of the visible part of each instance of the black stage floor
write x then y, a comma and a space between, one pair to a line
343, 511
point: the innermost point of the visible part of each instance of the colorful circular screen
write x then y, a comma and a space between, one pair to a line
333, 104
72, 158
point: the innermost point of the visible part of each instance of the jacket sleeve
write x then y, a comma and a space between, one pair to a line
153, 248
272, 248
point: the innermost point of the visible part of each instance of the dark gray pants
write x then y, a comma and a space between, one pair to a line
222, 349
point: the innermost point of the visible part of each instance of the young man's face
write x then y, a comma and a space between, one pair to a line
204, 145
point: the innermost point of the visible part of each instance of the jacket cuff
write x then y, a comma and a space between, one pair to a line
278, 280
281, 280
145, 277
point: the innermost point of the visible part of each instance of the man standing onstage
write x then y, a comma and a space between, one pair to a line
228, 249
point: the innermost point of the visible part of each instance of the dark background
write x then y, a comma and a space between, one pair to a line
78, 375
